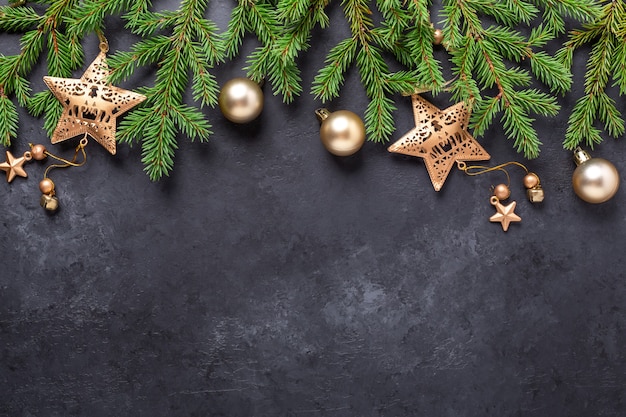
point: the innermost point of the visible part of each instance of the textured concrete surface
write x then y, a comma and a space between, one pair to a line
266, 277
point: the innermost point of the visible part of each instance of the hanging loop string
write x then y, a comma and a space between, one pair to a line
475, 170
68, 163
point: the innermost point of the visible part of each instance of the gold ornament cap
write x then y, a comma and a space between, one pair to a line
581, 156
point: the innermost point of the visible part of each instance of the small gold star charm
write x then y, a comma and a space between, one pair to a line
440, 137
90, 105
505, 214
14, 166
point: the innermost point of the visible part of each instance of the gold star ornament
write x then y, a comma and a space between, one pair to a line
441, 138
91, 105
504, 214
14, 166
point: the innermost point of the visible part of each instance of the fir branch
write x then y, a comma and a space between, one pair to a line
607, 60
406, 32
8, 120
299, 18
419, 39
41, 31
45, 103
185, 46
329, 80
191, 49
555, 12
481, 60
256, 17
18, 19
237, 26
89, 17
283, 31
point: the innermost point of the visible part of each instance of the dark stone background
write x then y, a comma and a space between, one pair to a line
266, 277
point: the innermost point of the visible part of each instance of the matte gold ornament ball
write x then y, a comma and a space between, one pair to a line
595, 180
342, 132
38, 152
241, 100
502, 192
437, 37
531, 180
46, 186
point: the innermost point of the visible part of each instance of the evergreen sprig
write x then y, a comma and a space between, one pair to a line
42, 33
495, 50
481, 58
607, 60
258, 17
191, 48
405, 32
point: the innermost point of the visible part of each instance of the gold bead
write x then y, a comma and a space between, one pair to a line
502, 192
46, 186
437, 37
342, 132
49, 202
241, 100
38, 152
531, 180
595, 180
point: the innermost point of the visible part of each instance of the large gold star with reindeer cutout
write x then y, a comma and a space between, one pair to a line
91, 105
441, 138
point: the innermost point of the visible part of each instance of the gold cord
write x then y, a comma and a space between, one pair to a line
68, 163
483, 169
475, 170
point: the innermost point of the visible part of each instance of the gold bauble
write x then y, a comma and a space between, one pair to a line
38, 152
502, 191
342, 132
531, 180
595, 180
241, 100
437, 37
46, 186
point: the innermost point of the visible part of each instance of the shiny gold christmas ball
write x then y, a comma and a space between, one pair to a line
342, 132
241, 100
438, 37
502, 192
595, 180
531, 180
46, 186
38, 152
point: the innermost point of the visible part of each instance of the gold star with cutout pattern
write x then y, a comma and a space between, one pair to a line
441, 138
90, 105
14, 166
505, 215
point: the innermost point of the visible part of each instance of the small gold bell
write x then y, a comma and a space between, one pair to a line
535, 195
49, 202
